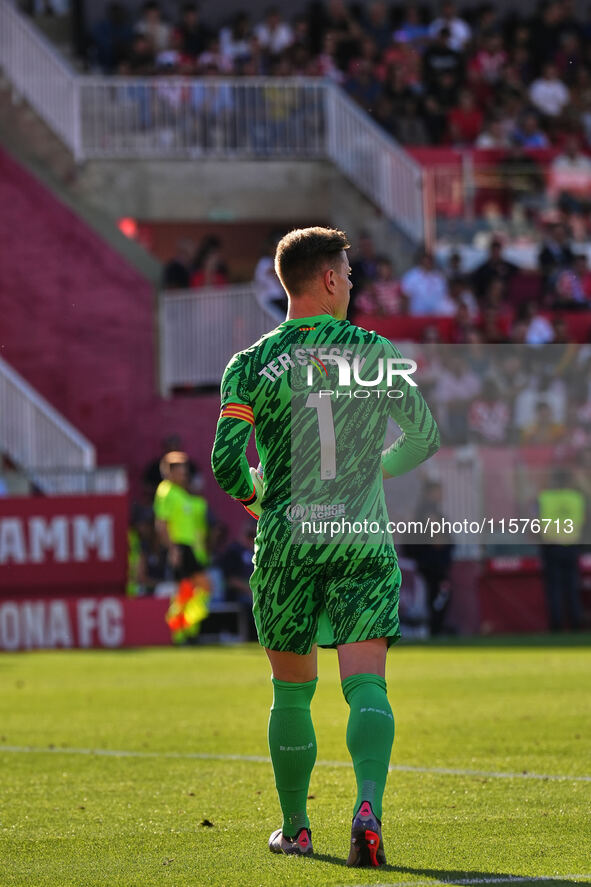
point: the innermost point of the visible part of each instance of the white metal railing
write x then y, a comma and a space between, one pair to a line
79, 481
222, 117
33, 433
201, 329
38, 74
374, 162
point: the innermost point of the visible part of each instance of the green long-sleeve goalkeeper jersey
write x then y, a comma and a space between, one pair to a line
319, 440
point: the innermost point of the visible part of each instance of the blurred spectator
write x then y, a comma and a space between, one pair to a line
147, 557
555, 254
456, 387
462, 296
273, 34
440, 59
209, 268
568, 58
492, 136
177, 272
339, 19
301, 33
492, 326
463, 326
236, 565
544, 431
193, 35
140, 61
386, 115
560, 559
546, 29
548, 93
465, 120
236, 40
377, 24
269, 292
581, 101
484, 68
426, 288
411, 29
538, 329
573, 285
384, 295
457, 31
362, 85
111, 38
364, 268
410, 128
325, 63
438, 102
489, 416
210, 61
495, 267
152, 26
541, 387
529, 135
454, 265
433, 557
570, 177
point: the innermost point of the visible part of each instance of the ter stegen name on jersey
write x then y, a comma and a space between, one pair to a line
276, 367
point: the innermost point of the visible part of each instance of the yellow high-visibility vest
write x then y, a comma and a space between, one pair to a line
560, 507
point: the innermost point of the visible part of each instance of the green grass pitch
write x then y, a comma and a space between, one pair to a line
479, 710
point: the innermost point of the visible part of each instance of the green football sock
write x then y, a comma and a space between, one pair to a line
370, 734
292, 743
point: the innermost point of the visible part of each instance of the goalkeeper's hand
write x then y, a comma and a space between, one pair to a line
253, 505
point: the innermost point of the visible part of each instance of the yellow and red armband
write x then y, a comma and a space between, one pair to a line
238, 411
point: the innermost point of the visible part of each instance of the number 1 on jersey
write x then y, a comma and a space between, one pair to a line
328, 444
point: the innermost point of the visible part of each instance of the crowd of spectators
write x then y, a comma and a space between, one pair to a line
429, 74
496, 302
196, 266
507, 395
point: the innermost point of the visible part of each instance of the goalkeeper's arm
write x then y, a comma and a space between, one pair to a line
420, 436
230, 465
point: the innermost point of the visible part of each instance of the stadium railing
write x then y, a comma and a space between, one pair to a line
33, 433
108, 480
173, 117
374, 162
39, 75
201, 329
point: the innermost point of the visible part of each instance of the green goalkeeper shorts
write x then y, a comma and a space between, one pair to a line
329, 604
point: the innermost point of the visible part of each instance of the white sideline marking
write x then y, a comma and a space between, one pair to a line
501, 879
261, 759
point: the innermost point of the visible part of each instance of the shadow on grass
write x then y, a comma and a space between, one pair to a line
466, 878
451, 876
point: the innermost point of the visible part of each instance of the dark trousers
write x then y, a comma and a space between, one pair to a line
561, 585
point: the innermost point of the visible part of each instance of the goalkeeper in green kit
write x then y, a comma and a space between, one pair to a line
325, 570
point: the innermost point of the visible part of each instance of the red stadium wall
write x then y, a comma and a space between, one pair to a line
78, 323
